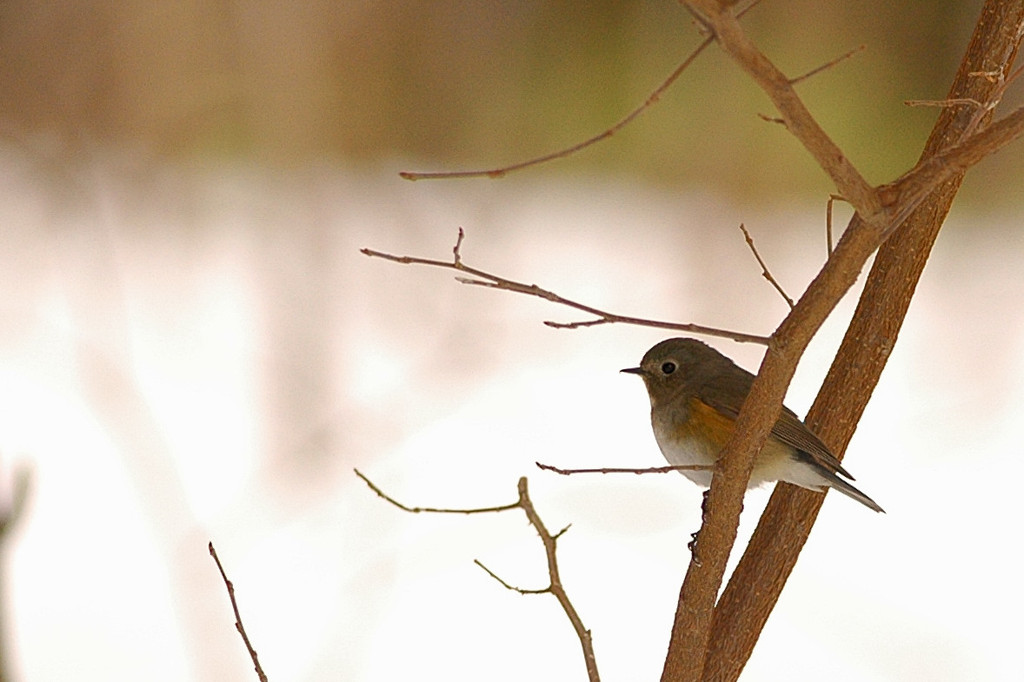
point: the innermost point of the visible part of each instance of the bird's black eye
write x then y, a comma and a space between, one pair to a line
668, 367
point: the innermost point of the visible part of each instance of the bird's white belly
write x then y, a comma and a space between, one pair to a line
774, 463
690, 452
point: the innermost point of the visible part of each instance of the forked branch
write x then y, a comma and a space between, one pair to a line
550, 541
879, 214
487, 279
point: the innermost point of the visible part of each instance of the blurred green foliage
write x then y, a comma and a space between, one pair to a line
445, 84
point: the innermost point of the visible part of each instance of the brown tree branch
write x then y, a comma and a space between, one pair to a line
691, 629
758, 580
238, 617
486, 279
550, 542
691, 633
910, 189
626, 470
725, 27
879, 212
756, 583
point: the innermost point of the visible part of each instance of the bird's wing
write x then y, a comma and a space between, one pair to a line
790, 430
723, 393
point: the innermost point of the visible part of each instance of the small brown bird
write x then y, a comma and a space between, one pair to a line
696, 394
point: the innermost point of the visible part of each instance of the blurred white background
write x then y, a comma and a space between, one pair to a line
194, 354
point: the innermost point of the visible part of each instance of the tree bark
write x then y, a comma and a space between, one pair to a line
757, 582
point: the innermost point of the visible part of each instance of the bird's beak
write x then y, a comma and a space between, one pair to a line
634, 370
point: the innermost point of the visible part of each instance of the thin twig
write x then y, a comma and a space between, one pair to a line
829, 243
955, 102
908, 191
567, 151
627, 470
238, 617
550, 549
995, 99
764, 267
652, 99
433, 510
772, 119
829, 65
509, 586
486, 279
981, 110
720, 20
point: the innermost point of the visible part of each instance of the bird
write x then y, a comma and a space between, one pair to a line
696, 393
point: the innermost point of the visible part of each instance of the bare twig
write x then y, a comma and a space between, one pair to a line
908, 191
974, 143
720, 20
509, 586
238, 617
434, 510
772, 119
651, 100
627, 470
486, 279
829, 243
764, 267
823, 67
955, 102
982, 109
550, 542
567, 151
550, 550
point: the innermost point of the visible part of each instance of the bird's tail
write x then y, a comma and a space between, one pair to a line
846, 488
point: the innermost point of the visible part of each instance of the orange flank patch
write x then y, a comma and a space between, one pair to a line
706, 424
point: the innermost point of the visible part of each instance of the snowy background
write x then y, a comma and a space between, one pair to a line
200, 353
